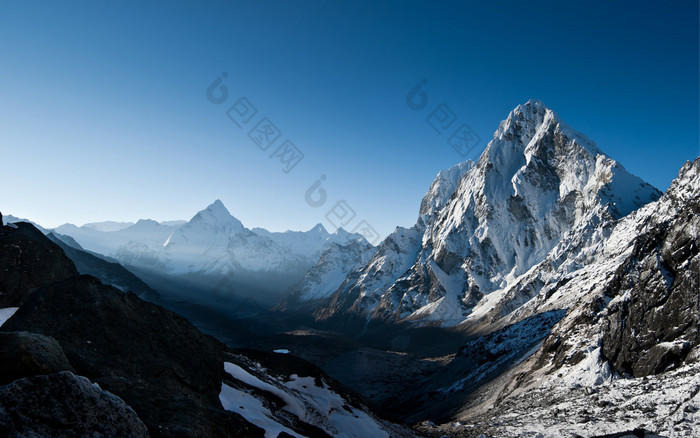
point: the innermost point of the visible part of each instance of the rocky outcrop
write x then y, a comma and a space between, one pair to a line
24, 354
655, 321
64, 405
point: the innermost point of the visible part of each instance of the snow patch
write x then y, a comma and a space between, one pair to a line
6, 314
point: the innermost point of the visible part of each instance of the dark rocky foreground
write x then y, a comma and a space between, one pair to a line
163, 367
143, 357
64, 404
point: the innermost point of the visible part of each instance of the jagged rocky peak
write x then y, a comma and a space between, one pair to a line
687, 185
535, 181
534, 150
485, 224
441, 190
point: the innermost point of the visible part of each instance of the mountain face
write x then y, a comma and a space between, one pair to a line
333, 266
484, 225
360, 292
626, 355
129, 244
213, 240
108, 225
310, 245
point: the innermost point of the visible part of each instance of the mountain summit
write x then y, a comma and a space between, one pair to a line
216, 216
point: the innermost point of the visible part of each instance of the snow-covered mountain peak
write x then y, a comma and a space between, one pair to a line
530, 114
342, 235
319, 229
522, 131
483, 225
216, 217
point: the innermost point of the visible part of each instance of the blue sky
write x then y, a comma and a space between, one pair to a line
104, 114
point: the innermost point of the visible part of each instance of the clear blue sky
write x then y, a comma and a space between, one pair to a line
104, 115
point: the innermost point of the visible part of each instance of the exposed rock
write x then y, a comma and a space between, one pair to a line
64, 405
24, 354
655, 321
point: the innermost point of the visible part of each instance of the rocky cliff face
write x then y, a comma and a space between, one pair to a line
653, 321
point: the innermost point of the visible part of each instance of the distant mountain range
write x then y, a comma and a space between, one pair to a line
211, 254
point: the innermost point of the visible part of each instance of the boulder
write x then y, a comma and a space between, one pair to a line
24, 354
65, 405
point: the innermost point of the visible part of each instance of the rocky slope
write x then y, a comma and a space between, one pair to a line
28, 260
69, 406
626, 354
162, 367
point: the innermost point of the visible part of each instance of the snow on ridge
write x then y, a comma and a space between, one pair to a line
6, 313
